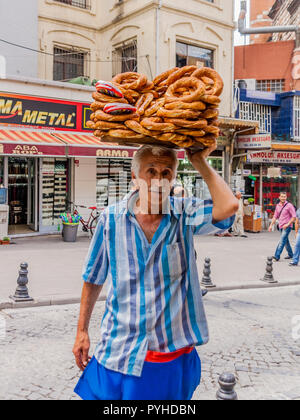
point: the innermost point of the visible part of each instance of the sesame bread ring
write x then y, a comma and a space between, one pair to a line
178, 113
210, 113
97, 105
170, 137
185, 144
154, 93
211, 99
218, 86
195, 106
102, 116
180, 73
138, 128
131, 80
212, 130
100, 133
154, 107
191, 125
208, 140
156, 126
100, 97
105, 126
164, 76
126, 134
144, 102
195, 133
91, 125
197, 87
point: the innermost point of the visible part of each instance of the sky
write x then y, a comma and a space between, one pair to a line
239, 39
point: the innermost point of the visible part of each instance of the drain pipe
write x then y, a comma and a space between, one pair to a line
263, 30
157, 58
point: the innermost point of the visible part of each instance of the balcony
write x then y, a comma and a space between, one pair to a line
82, 4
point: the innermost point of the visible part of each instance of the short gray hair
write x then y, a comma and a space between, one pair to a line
155, 151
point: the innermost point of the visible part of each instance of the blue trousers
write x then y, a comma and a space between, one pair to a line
175, 380
296, 257
284, 242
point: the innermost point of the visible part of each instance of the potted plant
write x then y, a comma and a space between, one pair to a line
5, 241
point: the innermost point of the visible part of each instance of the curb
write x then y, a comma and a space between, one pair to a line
70, 300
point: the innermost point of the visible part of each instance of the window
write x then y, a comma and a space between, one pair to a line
83, 4
256, 112
189, 55
297, 118
270, 85
125, 58
68, 64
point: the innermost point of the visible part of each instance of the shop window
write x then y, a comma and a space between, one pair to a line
1, 171
113, 179
55, 189
190, 55
69, 64
125, 58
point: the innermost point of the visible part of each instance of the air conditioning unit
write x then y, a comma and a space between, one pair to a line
249, 84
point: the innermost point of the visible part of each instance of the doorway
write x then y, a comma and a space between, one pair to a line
23, 195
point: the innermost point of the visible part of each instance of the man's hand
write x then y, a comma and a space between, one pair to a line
285, 227
270, 228
198, 158
81, 350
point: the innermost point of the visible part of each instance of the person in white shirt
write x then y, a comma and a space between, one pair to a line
238, 226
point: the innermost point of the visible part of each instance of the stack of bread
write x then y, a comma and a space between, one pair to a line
179, 107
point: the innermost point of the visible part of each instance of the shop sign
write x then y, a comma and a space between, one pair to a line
32, 150
274, 157
27, 111
258, 141
110, 153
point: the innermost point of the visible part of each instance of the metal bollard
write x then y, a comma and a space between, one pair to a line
21, 293
226, 392
269, 278
206, 279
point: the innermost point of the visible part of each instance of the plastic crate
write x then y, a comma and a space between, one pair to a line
3, 195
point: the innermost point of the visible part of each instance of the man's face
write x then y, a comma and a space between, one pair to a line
155, 179
283, 198
238, 195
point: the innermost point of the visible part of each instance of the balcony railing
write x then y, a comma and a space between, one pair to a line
82, 4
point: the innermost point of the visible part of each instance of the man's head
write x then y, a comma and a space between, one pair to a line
238, 195
154, 171
283, 197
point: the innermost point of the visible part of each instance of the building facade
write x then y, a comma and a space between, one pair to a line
284, 13
259, 16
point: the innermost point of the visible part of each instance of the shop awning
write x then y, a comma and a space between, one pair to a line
57, 143
30, 143
248, 127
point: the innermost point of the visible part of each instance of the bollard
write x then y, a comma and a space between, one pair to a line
21, 293
226, 392
269, 278
206, 279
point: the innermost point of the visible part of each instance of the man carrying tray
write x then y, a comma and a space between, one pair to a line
154, 316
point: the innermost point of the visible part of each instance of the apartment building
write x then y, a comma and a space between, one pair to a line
284, 13
98, 39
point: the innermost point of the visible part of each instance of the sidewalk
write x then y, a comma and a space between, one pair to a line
55, 267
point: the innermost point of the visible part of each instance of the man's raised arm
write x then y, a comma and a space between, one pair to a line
90, 294
225, 204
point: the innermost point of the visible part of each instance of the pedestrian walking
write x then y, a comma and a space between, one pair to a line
285, 213
296, 256
154, 315
238, 226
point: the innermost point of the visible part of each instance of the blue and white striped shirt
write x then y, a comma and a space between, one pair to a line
154, 300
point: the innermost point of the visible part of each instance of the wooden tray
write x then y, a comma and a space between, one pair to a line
146, 140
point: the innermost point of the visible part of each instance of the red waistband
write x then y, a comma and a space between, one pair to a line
156, 357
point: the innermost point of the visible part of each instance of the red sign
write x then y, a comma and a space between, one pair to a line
29, 111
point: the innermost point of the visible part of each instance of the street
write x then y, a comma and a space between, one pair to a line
251, 336
55, 267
